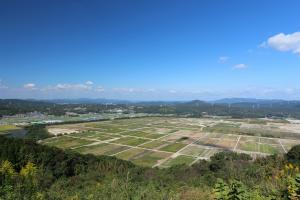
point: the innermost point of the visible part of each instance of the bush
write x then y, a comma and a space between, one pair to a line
293, 155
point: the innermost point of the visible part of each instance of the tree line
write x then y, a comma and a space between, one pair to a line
195, 108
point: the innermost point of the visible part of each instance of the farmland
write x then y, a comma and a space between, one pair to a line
167, 141
4, 129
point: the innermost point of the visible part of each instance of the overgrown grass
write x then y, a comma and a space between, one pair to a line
150, 159
65, 142
4, 129
179, 160
266, 148
248, 146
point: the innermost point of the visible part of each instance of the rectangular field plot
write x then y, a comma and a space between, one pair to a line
248, 146
85, 134
226, 143
214, 135
113, 130
101, 149
173, 147
135, 133
107, 128
131, 141
268, 140
94, 135
183, 137
172, 138
249, 139
143, 134
193, 150
150, 158
160, 130
188, 133
210, 152
230, 137
186, 140
155, 144
131, 154
179, 160
66, 142
270, 149
103, 137
225, 128
211, 142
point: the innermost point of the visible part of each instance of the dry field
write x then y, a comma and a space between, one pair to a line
163, 142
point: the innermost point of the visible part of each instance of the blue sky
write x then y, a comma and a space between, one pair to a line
150, 50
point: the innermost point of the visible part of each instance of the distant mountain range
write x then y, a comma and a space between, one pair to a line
87, 101
219, 101
234, 101
235, 107
248, 100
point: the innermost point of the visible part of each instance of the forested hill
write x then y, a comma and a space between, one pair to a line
16, 106
236, 108
32, 171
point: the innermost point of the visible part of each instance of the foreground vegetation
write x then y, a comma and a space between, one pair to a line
32, 171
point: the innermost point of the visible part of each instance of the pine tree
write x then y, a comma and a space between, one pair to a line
29, 186
221, 190
237, 191
7, 180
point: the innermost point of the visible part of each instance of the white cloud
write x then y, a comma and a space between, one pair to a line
89, 83
99, 89
68, 87
126, 90
240, 66
135, 90
223, 59
284, 42
263, 45
67, 90
151, 90
30, 86
72, 87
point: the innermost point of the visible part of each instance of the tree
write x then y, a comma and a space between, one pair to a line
23, 185
294, 155
294, 188
29, 180
7, 180
237, 191
221, 190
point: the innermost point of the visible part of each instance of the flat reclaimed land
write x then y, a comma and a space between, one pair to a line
167, 141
